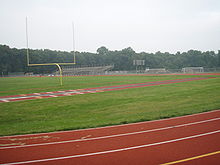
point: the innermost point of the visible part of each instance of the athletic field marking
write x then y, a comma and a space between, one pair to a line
5, 100
53, 96
112, 136
105, 88
36, 93
192, 158
116, 150
113, 126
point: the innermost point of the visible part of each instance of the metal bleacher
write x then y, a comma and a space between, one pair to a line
89, 70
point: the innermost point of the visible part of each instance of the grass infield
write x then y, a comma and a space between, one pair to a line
102, 109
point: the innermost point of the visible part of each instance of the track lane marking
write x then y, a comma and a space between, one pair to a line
113, 151
192, 158
111, 136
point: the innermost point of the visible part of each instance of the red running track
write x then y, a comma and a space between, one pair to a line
154, 142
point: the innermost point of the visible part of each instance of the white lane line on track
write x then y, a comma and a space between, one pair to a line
113, 126
112, 136
116, 150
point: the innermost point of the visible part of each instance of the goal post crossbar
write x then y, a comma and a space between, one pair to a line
44, 64
49, 64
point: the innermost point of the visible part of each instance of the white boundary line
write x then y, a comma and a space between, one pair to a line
113, 126
112, 136
116, 150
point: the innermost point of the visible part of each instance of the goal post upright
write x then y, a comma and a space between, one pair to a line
74, 54
27, 42
47, 64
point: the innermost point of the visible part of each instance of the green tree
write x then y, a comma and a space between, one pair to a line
102, 50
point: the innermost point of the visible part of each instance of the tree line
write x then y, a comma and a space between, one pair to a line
15, 60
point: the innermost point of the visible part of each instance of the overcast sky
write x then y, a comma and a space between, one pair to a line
144, 25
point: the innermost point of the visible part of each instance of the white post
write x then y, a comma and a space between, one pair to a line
27, 42
74, 55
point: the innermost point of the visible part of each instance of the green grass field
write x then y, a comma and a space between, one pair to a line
101, 109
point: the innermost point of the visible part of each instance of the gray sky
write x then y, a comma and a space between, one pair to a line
144, 25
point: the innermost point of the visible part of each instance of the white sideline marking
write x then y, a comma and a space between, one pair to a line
116, 150
112, 136
113, 126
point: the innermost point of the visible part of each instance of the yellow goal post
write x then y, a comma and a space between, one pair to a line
47, 64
